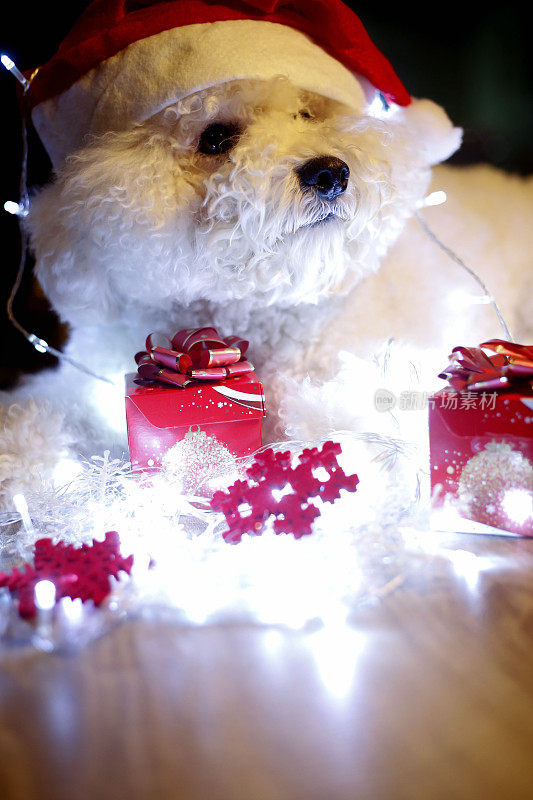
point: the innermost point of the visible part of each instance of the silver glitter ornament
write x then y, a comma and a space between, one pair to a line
496, 488
197, 462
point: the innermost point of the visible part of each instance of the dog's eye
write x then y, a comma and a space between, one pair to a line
305, 114
218, 138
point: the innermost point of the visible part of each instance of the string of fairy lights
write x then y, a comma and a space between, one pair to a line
21, 210
324, 576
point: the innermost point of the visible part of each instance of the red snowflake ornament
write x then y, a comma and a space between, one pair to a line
277, 489
82, 572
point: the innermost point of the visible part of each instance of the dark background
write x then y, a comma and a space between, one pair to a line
474, 63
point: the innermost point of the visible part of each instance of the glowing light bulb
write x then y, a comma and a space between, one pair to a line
433, 199
7, 62
45, 595
19, 501
460, 299
380, 107
72, 610
40, 345
10, 65
14, 208
518, 505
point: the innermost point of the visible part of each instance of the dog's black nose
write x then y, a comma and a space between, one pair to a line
326, 175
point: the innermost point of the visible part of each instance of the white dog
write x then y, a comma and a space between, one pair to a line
262, 208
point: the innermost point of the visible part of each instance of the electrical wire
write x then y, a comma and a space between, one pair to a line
449, 252
24, 204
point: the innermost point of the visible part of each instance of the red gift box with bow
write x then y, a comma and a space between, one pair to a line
194, 381
481, 438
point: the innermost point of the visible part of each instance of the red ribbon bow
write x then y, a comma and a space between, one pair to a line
473, 370
195, 354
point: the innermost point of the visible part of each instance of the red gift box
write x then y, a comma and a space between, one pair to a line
481, 437
481, 453
158, 416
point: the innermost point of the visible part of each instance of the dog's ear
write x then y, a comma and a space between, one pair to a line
75, 283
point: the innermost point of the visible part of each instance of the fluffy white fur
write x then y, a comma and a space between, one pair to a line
140, 232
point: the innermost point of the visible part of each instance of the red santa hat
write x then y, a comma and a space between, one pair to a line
126, 60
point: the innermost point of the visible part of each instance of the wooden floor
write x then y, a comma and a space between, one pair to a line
428, 697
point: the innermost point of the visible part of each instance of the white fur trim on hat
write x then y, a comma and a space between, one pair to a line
155, 72
430, 126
